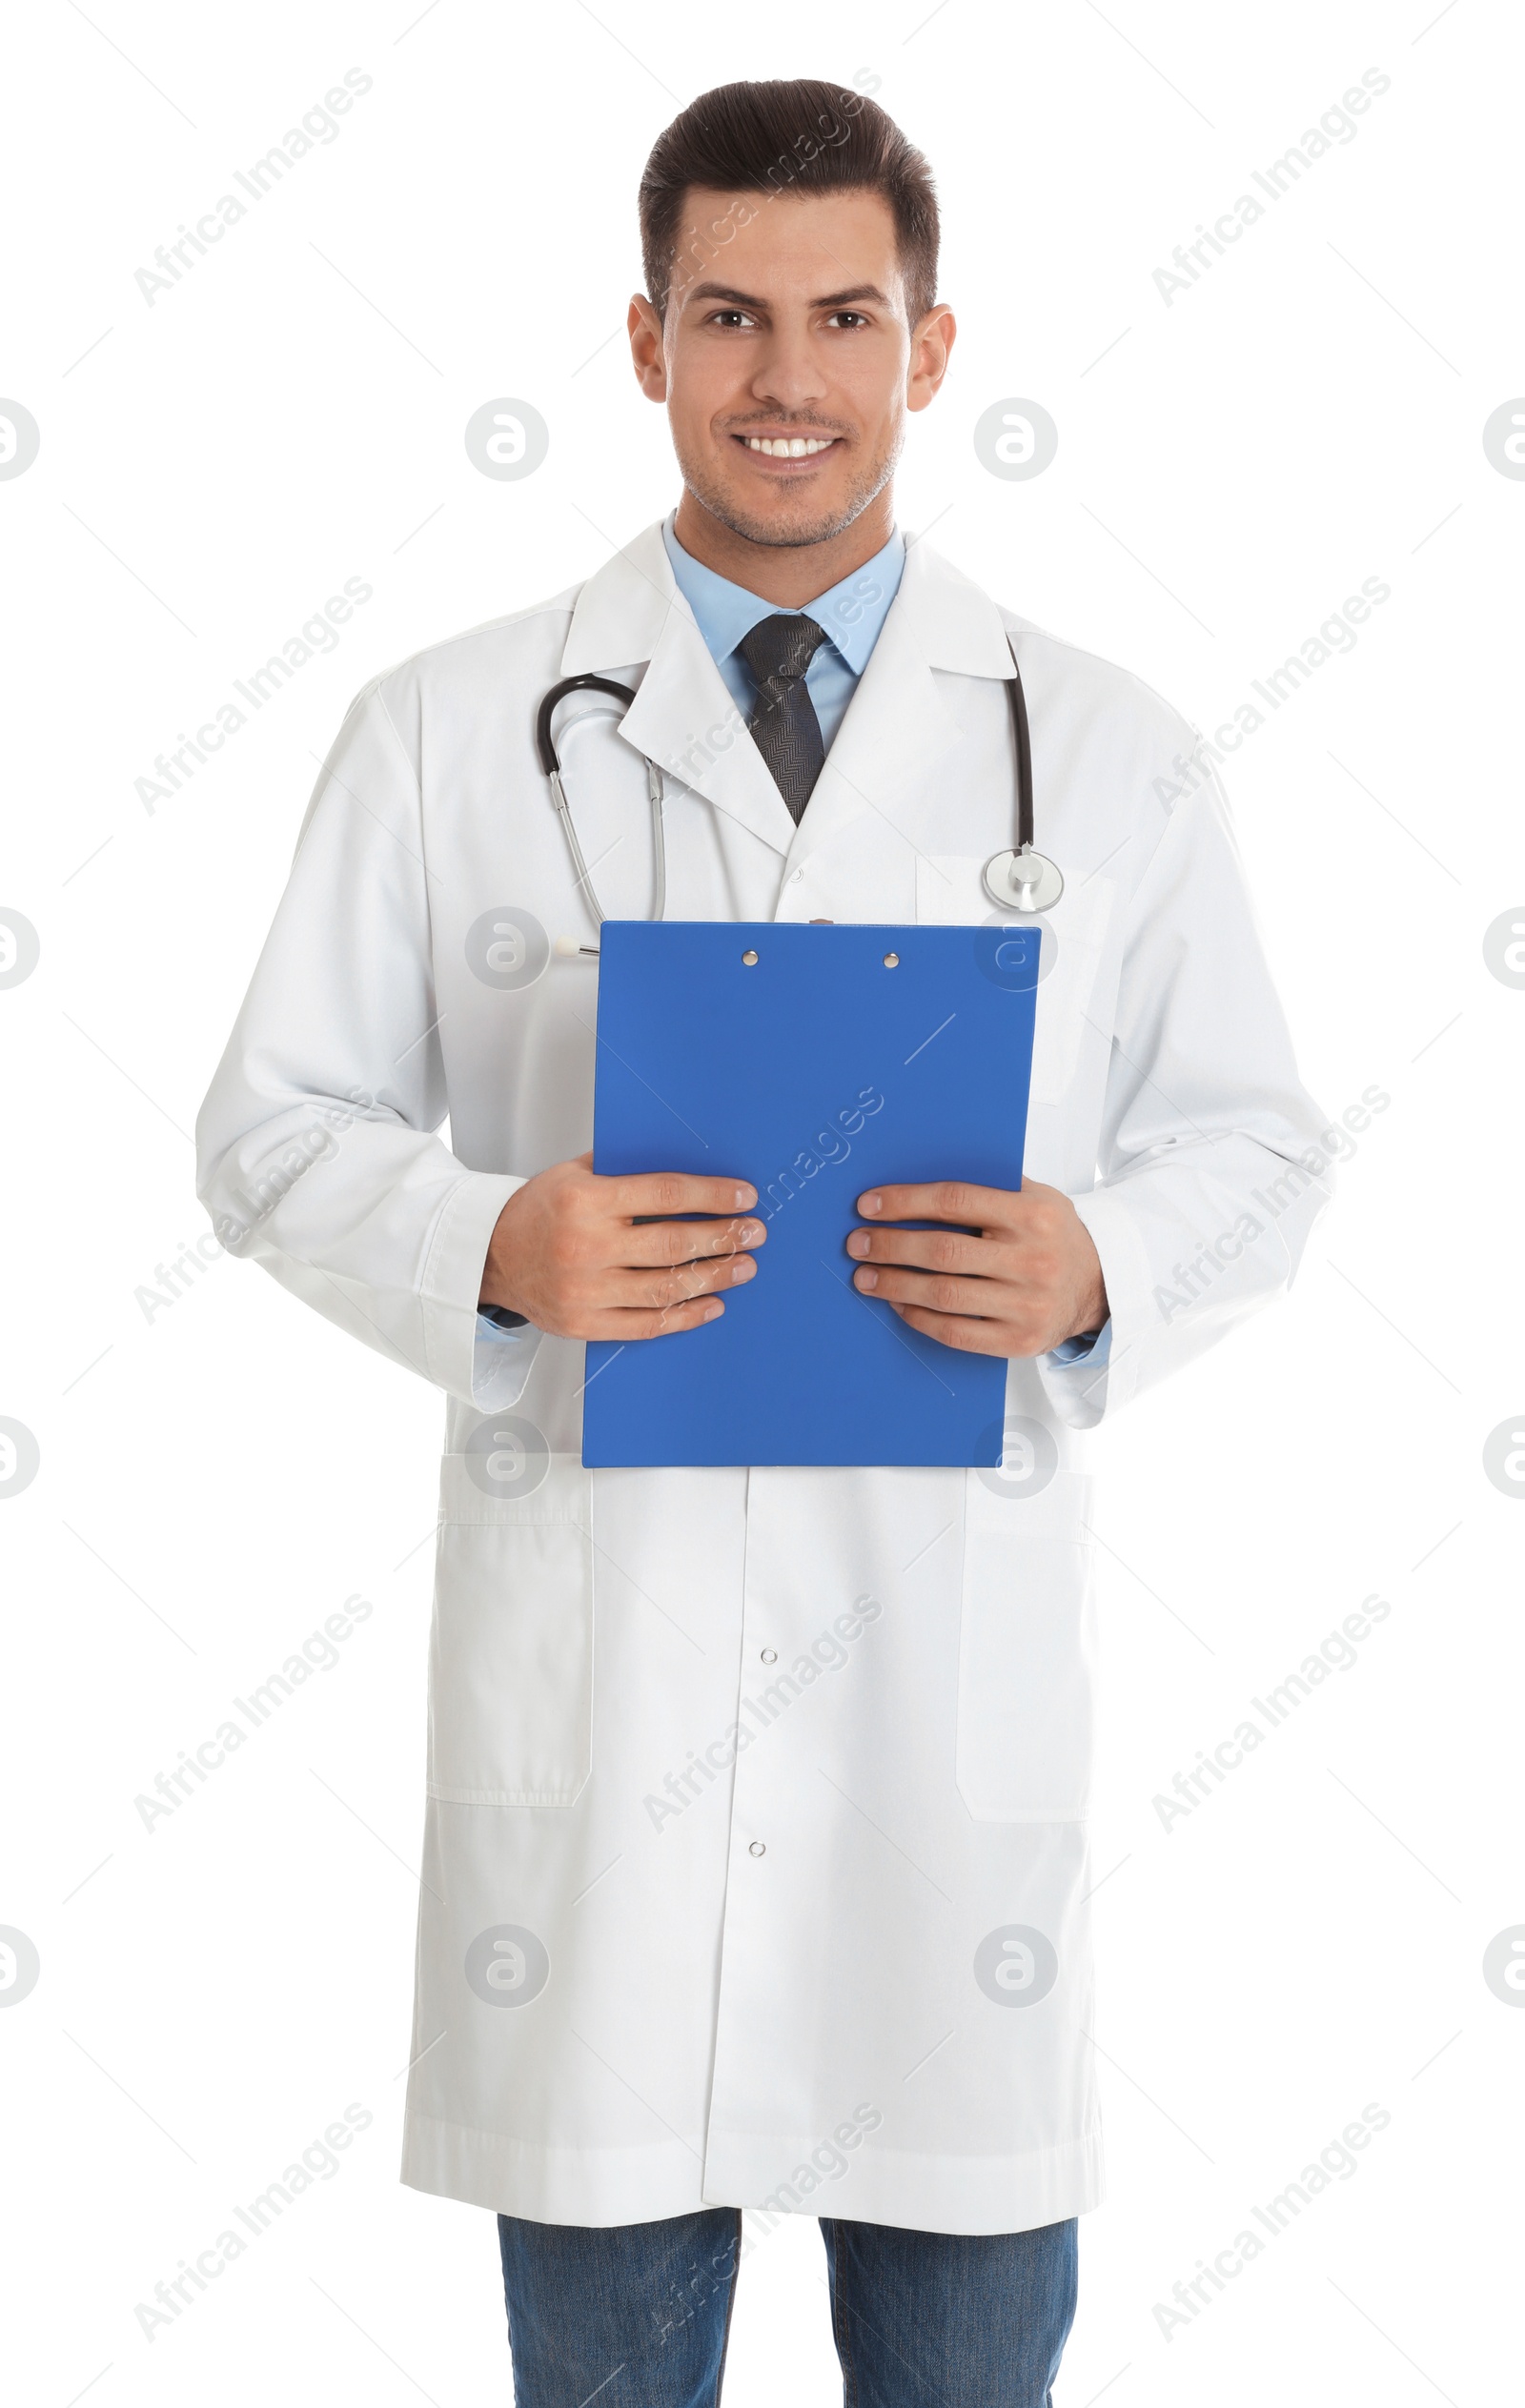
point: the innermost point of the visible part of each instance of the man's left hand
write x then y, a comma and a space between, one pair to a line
1029, 1279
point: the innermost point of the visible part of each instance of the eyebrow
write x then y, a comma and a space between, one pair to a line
826, 301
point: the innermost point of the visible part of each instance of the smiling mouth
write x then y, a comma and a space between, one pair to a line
787, 447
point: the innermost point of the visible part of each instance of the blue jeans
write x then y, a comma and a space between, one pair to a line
637, 2315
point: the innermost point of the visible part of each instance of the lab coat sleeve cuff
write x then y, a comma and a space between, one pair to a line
453, 1281
1082, 1389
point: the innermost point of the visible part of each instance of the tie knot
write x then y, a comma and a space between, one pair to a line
781, 647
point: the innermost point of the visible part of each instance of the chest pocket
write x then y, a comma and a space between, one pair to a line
949, 888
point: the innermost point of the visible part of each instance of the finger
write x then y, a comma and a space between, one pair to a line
658, 1289
965, 1337
669, 1320
657, 1195
930, 1250
955, 1200
686, 1241
933, 1290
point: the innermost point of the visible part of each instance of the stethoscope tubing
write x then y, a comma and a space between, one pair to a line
551, 764
1023, 742
589, 682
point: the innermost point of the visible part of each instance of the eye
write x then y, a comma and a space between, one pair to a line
731, 318
848, 319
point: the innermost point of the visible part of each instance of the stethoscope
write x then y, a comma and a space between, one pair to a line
551, 763
1018, 879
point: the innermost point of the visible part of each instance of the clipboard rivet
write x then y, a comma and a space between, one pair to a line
750, 960
892, 961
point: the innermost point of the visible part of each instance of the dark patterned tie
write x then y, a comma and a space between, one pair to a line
784, 723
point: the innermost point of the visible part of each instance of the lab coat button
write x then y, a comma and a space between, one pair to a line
756, 1848
770, 1655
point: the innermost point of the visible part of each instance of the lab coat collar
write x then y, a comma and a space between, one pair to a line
630, 613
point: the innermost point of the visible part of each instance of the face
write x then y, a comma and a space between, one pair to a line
787, 362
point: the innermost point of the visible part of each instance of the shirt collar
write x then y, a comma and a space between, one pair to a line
851, 612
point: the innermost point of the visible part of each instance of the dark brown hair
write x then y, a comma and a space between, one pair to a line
800, 136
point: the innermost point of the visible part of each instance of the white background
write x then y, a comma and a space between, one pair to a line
1307, 416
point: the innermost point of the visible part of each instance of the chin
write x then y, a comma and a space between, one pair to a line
786, 517
791, 519
802, 522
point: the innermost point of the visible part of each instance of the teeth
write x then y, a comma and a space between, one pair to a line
789, 447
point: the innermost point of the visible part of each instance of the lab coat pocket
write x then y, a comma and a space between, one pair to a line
1026, 1651
511, 1652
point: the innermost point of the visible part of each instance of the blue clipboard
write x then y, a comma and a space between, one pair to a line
815, 1062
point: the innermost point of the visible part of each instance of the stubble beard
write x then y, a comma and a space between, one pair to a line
793, 537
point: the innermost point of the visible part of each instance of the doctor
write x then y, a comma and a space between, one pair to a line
756, 1851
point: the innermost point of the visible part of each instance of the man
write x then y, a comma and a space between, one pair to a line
755, 1850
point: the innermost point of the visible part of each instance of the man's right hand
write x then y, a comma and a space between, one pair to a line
568, 1253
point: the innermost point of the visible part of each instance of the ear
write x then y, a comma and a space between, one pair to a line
646, 353
932, 342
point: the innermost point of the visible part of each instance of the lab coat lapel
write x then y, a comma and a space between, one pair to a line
897, 730
683, 718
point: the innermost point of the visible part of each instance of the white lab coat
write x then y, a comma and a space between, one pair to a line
755, 1840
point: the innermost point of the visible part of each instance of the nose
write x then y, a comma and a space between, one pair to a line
789, 376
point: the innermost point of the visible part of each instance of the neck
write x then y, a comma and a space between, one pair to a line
790, 575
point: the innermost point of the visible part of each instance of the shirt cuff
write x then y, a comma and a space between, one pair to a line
502, 1360
1092, 1347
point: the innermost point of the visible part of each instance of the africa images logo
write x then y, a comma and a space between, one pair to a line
507, 1965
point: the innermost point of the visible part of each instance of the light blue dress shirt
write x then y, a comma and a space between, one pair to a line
852, 614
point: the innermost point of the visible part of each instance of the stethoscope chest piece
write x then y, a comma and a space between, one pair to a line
1025, 880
